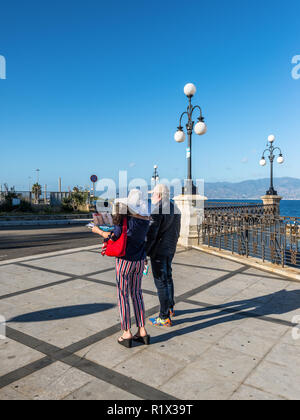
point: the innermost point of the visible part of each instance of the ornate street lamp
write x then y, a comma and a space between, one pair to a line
271, 149
155, 176
200, 129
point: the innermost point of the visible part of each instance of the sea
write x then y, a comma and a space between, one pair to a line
290, 208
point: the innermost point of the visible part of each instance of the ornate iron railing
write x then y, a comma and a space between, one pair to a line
260, 235
239, 208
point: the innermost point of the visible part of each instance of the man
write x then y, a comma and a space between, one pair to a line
161, 245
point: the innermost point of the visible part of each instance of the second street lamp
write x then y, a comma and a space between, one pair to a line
155, 176
271, 149
200, 129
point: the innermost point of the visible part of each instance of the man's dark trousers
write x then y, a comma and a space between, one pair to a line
162, 273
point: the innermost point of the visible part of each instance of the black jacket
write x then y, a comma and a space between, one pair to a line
164, 230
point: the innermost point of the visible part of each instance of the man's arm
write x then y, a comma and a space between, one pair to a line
153, 231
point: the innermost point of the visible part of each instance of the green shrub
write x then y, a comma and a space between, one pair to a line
66, 204
8, 196
77, 198
25, 206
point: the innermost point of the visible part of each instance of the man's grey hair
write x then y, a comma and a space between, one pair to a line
163, 190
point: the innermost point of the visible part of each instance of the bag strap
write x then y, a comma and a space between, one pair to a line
124, 229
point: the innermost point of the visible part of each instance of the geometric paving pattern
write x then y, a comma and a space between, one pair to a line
231, 339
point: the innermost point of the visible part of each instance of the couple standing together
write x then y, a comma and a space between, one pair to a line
155, 236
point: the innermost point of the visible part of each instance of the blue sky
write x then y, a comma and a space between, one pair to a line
94, 87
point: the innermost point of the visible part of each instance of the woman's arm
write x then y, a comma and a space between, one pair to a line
100, 232
112, 235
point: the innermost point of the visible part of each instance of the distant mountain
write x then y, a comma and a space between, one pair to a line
288, 188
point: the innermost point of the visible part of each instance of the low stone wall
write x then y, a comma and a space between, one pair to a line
30, 217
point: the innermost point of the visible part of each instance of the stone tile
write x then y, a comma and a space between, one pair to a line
67, 330
249, 393
78, 264
149, 301
263, 329
54, 382
99, 390
276, 379
196, 383
294, 286
79, 290
14, 355
242, 280
10, 394
212, 329
204, 323
183, 348
10, 310
229, 363
150, 367
37, 330
65, 335
266, 290
14, 278
286, 355
242, 290
76, 293
39, 298
221, 293
108, 352
289, 339
265, 275
148, 283
109, 276
247, 342
6, 289
199, 258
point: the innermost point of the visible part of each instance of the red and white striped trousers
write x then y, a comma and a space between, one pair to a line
129, 275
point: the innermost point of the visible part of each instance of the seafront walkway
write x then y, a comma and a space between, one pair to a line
231, 339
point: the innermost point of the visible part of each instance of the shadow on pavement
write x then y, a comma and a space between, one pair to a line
63, 313
277, 303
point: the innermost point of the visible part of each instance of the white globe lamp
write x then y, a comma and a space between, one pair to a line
189, 90
263, 162
200, 128
271, 138
179, 136
280, 159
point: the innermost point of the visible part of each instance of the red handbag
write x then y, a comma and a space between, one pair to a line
116, 248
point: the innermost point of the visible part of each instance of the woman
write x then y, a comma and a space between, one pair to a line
129, 269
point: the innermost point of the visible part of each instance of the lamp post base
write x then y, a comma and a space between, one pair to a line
191, 208
189, 188
272, 200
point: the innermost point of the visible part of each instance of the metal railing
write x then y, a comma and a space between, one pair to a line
261, 234
239, 208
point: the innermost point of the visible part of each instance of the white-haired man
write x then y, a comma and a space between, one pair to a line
161, 246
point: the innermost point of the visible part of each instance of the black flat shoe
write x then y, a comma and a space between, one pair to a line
126, 342
143, 340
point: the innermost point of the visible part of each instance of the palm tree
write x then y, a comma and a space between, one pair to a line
37, 192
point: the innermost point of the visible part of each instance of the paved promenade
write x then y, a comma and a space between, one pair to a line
232, 336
